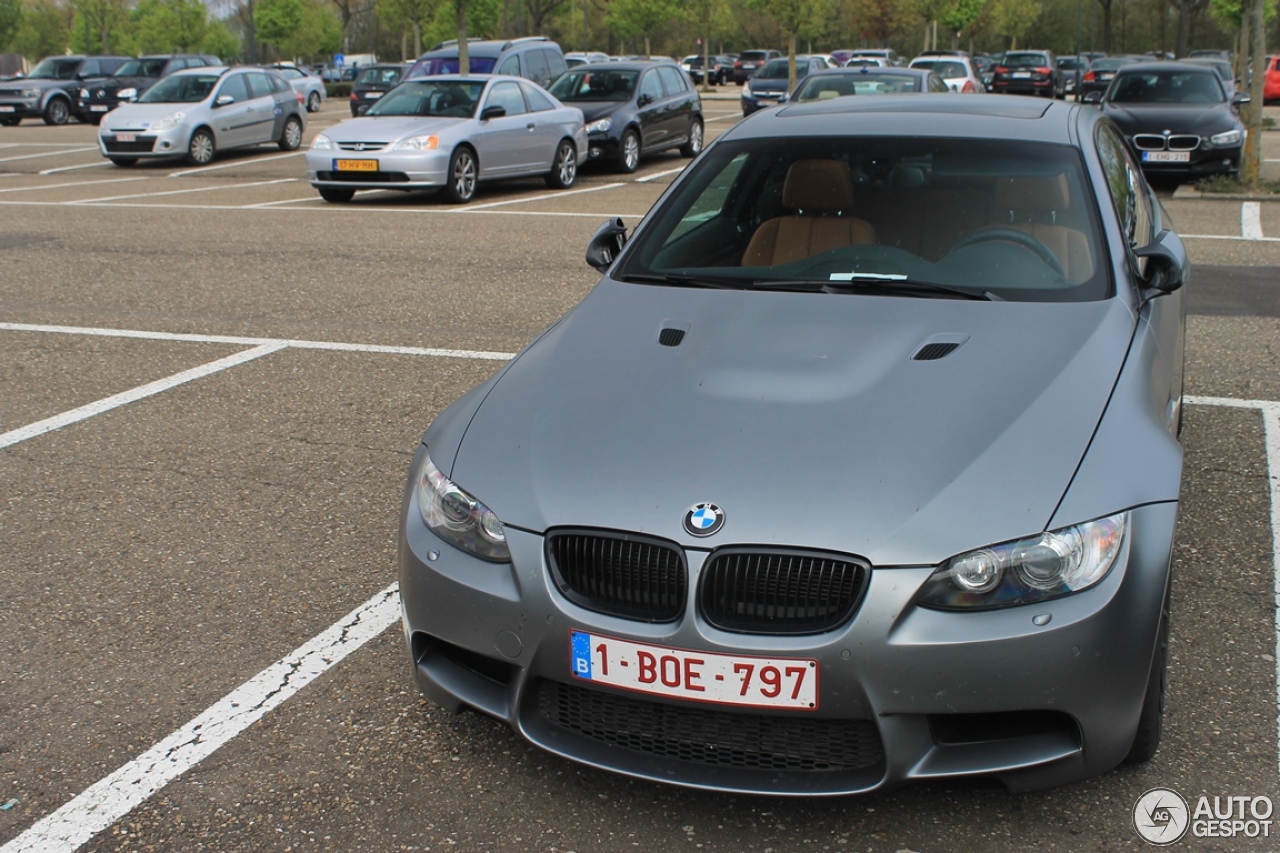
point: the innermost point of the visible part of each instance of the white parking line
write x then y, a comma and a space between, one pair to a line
93, 201
110, 799
73, 184
1270, 412
546, 197
46, 154
1251, 220
647, 178
100, 165
1230, 237
106, 404
233, 163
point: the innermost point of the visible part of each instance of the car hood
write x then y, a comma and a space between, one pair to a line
41, 83
804, 416
135, 116
595, 110
1156, 118
115, 84
769, 84
389, 128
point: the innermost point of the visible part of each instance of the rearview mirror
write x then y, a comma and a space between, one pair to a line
1166, 262
606, 244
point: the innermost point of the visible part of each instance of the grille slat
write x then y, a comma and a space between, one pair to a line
618, 574
779, 592
711, 737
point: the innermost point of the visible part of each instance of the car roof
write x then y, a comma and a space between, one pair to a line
997, 117
1166, 65
631, 65
485, 47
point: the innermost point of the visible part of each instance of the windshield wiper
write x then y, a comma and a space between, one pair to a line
878, 282
684, 280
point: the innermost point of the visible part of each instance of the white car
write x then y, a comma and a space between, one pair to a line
958, 72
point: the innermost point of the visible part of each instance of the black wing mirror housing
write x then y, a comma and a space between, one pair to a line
493, 112
606, 244
1094, 97
1239, 97
1167, 267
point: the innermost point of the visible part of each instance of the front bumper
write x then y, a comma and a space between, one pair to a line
1204, 161
752, 101
404, 170
14, 107
1034, 696
145, 144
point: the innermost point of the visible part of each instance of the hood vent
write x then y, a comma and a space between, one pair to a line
939, 346
671, 337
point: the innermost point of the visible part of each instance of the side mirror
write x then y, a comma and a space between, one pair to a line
1166, 262
606, 244
1093, 98
223, 100
644, 100
493, 112
1240, 97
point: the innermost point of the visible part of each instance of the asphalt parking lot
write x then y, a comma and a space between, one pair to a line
213, 385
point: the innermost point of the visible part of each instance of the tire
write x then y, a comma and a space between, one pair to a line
460, 182
628, 152
10, 122
123, 161
564, 167
336, 195
291, 136
57, 111
313, 104
694, 145
94, 120
1147, 738
202, 148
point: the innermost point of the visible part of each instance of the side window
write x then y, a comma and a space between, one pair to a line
235, 88
538, 102
89, 68
650, 86
507, 95
535, 67
671, 80
259, 84
555, 65
511, 65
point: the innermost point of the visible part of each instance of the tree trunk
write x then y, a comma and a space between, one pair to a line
1251, 158
464, 50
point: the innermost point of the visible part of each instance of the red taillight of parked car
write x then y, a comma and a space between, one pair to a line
301, 99
1090, 75
968, 87
354, 97
1000, 71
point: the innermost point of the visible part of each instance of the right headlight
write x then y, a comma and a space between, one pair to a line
457, 517
600, 126
1053, 564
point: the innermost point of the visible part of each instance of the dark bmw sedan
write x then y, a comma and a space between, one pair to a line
1177, 117
858, 466
633, 109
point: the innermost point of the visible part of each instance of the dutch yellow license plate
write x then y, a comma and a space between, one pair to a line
355, 165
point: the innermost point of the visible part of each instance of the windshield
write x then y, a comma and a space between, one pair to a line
180, 89
141, 68
777, 68
821, 87
595, 84
944, 67
1110, 64
940, 217
1026, 60
451, 65
1167, 87
444, 98
55, 69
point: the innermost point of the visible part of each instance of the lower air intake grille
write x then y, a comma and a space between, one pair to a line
619, 574
708, 737
755, 592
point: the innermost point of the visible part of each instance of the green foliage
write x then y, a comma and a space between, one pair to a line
959, 14
220, 41
636, 18
44, 31
98, 25
10, 20
483, 17
297, 27
161, 26
1013, 18
804, 19
1230, 13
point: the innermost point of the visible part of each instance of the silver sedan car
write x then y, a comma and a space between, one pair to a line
449, 133
197, 112
860, 465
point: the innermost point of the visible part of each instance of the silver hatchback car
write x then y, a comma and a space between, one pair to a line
200, 111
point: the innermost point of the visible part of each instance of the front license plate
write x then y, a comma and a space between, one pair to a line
741, 680
97, 108
7, 109
126, 137
355, 165
1166, 156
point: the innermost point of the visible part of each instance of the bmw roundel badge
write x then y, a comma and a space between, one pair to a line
703, 519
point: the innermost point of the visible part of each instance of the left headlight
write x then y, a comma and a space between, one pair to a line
600, 125
1231, 137
1038, 568
128, 94
169, 122
457, 517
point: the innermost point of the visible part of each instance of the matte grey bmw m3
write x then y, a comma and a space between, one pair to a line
860, 465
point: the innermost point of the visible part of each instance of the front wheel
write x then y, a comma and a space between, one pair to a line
460, 183
201, 149
313, 102
336, 195
291, 136
629, 152
564, 168
694, 145
57, 111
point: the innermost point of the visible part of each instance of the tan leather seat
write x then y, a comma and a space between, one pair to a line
821, 194
1034, 205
